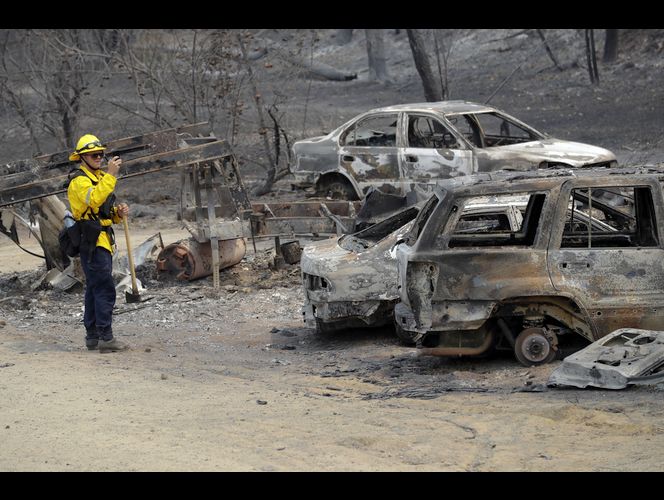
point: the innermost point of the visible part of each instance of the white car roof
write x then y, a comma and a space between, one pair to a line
444, 107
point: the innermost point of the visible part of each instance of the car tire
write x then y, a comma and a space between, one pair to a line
407, 338
324, 328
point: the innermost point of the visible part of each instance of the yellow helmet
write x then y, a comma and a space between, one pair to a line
86, 144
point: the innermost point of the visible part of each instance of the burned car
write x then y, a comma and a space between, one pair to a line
587, 259
351, 281
393, 147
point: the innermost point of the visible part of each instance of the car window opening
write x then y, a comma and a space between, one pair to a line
487, 130
610, 217
374, 131
427, 132
494, 229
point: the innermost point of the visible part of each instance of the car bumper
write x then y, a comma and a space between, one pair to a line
365, 313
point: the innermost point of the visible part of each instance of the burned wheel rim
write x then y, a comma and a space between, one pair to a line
534, 346
337, 190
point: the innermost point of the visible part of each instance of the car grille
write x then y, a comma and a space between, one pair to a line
313, 282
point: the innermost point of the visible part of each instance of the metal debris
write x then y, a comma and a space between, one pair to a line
628, 356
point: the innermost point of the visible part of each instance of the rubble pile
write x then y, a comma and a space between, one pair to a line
30, 303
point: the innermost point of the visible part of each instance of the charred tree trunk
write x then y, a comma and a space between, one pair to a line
272, 166
432, 92
548, 49
591, 56
442, 67
610, 46
376, 54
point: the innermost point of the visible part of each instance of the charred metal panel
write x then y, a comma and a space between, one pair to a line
460, 315
315, 155
532, 155
619, 287
627, 356
426, 165
302, 218
224, 229
421, 279
558, 308
307, 208
335, 311
370, 164
492, 274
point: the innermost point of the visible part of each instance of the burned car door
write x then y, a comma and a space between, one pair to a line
431, 151
368, 151
610, 263
474, 262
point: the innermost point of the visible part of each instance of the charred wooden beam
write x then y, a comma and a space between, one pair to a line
26, 171
17, 166
139, 145
14, 191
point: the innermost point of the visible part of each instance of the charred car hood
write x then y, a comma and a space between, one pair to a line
628, 356
323, 257
355, 275
574, 154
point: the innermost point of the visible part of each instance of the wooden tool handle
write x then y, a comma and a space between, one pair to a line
134, 286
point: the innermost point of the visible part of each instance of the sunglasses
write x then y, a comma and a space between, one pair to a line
96, 156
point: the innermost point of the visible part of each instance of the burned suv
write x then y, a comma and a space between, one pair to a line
587, 259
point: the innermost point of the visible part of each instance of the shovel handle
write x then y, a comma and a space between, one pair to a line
134, 287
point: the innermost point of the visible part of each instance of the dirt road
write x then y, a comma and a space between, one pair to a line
233, 381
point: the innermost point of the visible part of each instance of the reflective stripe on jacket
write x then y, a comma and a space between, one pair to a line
82, 193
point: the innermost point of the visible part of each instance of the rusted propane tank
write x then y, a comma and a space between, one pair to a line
189, 260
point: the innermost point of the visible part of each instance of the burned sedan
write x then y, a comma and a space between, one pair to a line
352, 281
393, 147
587, 259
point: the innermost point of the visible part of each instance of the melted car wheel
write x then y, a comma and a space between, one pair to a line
336, 190
407, 338
535, 346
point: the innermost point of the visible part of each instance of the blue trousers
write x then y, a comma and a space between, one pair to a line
99, 294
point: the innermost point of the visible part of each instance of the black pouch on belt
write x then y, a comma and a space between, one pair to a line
90, 230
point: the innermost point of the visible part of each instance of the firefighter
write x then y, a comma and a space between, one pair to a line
92, 203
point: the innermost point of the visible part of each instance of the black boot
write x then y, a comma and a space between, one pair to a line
91, 339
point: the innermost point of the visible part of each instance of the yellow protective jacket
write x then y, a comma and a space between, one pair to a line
82, 193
